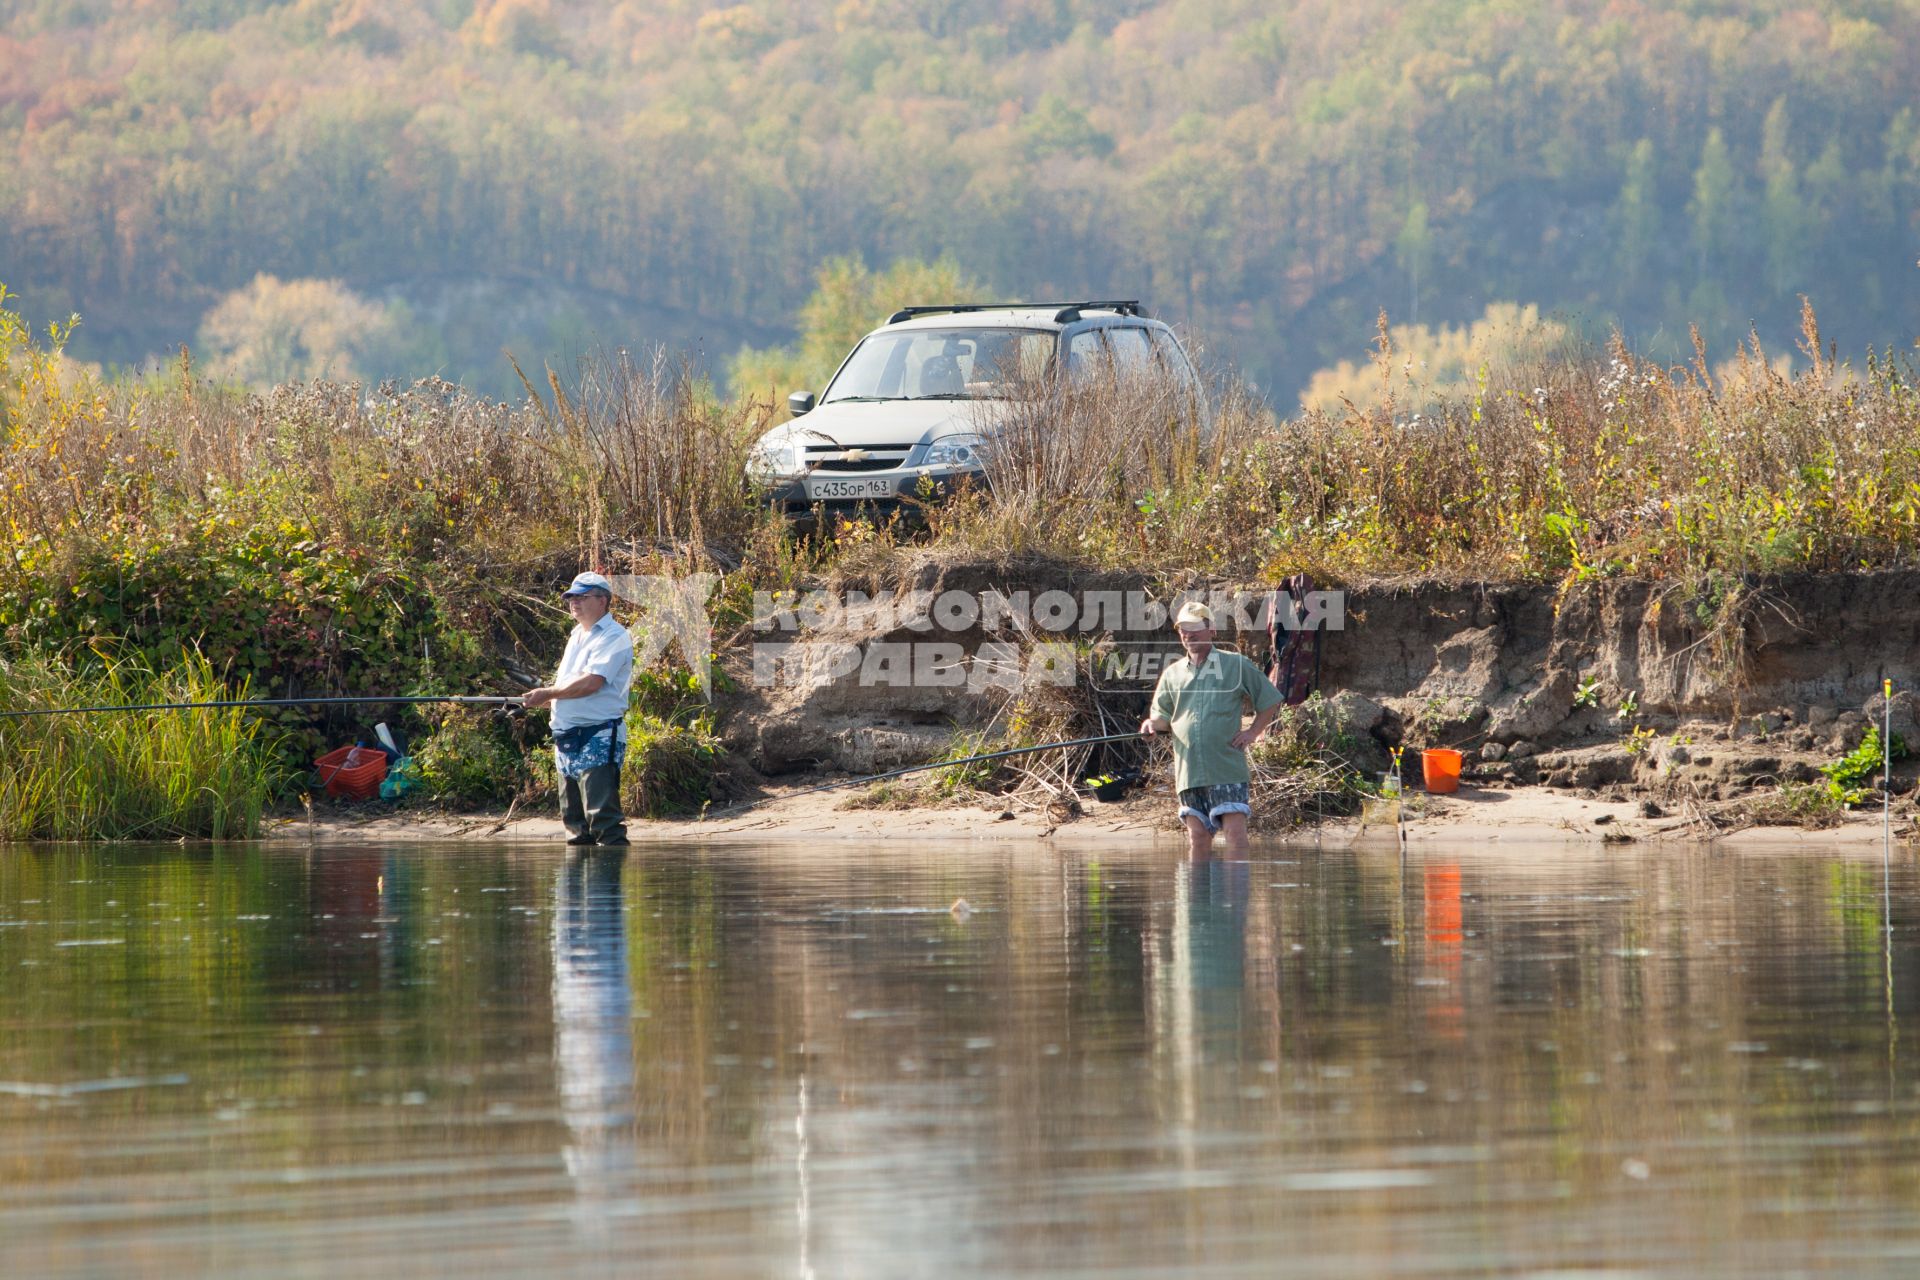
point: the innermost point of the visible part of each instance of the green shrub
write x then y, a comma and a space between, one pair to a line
1804, 804
670, 768
267, 604
1849, 776
469, 761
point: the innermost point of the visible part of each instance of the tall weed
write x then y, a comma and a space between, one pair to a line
127, 775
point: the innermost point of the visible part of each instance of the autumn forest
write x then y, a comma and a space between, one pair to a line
412, 186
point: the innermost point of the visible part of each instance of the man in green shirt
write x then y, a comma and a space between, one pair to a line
1200, 700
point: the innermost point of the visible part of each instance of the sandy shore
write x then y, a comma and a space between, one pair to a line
1527, 815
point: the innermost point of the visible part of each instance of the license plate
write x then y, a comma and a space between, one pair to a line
820, 489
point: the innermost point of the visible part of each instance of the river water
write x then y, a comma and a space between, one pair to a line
787, 1061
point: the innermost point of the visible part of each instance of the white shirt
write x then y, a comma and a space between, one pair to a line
605, 649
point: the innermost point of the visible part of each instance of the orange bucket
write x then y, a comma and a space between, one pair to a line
1441, 766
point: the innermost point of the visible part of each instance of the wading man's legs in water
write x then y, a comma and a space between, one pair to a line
1233, 826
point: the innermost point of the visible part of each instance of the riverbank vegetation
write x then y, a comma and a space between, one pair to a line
156, 775
326, 538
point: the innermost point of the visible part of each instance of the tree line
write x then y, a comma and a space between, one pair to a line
1272, 178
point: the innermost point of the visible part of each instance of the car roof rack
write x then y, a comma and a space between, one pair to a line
1064, 312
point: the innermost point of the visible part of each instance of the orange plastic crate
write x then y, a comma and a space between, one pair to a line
352, 773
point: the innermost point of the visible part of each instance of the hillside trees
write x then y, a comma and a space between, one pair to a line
275, 331
1253, 174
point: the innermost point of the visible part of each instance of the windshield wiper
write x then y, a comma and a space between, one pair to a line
944, 395
863, 399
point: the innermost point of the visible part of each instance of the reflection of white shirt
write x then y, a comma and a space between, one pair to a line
604, 650
593, 1035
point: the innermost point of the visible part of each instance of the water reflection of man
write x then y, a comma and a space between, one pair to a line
1197, 980
1214, 894
593, 1025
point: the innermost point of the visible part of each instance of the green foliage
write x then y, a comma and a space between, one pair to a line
1310, 762
132, 775
1057, 127
267, 606
1847, 783
1806, 804
39, 386
670, 767
1305, 736
672, 694
1712, 209
975, 775
1849, 776
1588, 694
1413, 250
470, 760
1637, 213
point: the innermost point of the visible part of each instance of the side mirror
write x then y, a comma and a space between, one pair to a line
800, 402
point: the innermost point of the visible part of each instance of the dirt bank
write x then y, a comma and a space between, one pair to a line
1604, 710
1686, 701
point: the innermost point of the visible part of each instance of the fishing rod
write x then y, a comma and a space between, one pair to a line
922, 768
464, 699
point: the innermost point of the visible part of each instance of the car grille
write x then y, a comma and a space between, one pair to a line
831, 459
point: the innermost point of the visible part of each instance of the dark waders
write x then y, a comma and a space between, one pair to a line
590, 799
590, 807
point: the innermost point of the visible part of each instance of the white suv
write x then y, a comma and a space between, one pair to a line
902, 419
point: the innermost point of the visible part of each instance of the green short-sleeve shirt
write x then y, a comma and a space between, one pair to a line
1205, 707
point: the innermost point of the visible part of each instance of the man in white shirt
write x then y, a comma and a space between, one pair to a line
589, 697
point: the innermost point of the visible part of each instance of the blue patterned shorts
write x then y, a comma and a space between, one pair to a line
1209, 804
605, 744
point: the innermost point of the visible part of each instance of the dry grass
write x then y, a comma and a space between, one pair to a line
1142, 468
1578, 465
649, 454
639, 454
1593, 467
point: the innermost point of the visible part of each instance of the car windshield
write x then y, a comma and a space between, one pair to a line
942, 364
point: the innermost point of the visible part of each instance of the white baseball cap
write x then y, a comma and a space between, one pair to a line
1193, 616
587, 583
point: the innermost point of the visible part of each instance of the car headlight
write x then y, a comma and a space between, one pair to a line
778, 461
966, 451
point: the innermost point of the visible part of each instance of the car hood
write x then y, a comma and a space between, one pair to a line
861, 426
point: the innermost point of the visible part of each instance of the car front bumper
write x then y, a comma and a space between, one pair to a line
879, 491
